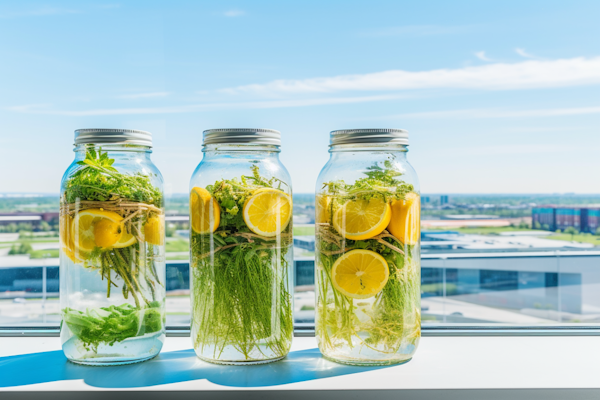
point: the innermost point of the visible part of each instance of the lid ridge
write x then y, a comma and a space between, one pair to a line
113, 136
364, 136
242, 135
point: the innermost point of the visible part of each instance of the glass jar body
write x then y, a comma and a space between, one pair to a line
241, 269
112, 256
367, 267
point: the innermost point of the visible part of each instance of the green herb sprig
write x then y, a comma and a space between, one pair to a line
97, 184
98, 180
237, 277
379, 183
113, 324
394, 314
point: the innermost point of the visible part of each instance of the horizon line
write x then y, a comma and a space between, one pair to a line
50, 194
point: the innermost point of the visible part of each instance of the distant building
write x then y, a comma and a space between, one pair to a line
584, 219
443, 200
458, 217
305, 242
591, 218
425, 199
436, 241
33, 219
177, 218
304, 271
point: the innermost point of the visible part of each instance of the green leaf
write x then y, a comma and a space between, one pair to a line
97, 179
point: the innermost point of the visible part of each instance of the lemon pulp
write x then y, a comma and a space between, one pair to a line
268, 212
107, 232
154, 230
323, 212
96, 228
360, 274
66, 238
362, 219
406, 219
202, 204
126, 240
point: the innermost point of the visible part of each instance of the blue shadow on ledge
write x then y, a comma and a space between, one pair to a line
170, 367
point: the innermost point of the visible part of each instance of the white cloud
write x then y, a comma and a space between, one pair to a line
523, 53
234, 13
473, 113
45, 108
481, 55
30, 108
144, 95
497, 76
497, 113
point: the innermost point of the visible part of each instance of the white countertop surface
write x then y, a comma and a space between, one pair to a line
441, 363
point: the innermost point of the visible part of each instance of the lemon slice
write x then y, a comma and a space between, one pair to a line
268, 212
127, 239
67, 241
64, 230
322, 209
154, 230
406, 219
360, 274
107, 232
96, 228
362, 219
204, 211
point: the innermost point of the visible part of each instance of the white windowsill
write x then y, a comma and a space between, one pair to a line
444, 367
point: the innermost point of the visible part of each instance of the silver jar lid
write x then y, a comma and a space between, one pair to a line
365, 136
242, 135
113, 136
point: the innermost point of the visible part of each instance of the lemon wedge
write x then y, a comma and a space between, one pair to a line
204, 211
360, 274
406, 219
268, 211
64, 231
322, 209
154, 230
66, 239
362, 219
126, 240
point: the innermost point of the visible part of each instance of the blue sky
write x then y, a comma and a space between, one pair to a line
499, 97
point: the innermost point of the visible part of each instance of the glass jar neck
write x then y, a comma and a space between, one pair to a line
244, 149
126, 150
350, 150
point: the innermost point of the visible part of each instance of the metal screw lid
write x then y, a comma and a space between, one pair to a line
366, 136
242, 135
113, 136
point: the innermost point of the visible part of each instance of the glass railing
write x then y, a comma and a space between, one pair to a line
513, 288
457, 289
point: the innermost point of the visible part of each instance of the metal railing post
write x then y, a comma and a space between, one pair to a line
558, 287
444, 288
44, 289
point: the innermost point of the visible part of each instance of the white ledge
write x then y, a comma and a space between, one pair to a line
462, 367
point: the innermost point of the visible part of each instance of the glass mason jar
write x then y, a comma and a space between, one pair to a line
112, 256
367, 271
241, 249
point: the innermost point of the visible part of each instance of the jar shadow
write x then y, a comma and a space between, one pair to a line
171, 367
